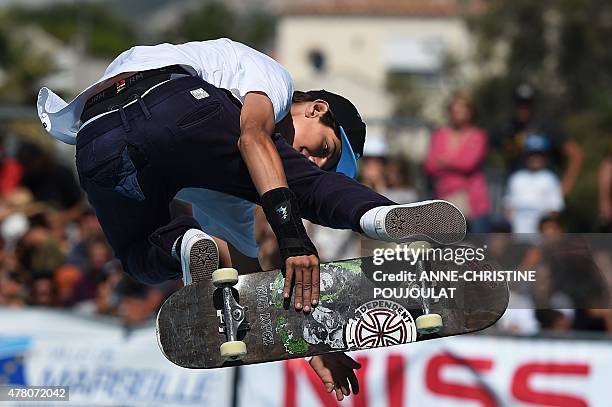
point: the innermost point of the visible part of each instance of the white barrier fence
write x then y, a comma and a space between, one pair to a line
100, 364
103, 366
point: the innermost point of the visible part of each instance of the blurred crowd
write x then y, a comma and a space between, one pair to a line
53, 252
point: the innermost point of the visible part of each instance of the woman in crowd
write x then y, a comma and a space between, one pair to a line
455, 163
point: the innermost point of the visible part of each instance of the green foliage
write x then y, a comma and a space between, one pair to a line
4, 44
585, 60
581, 72
20, 67
519, 25
405, 91
103, 32
563, 48
216, 20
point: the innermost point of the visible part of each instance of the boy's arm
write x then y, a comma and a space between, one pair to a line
256, 146
280, 205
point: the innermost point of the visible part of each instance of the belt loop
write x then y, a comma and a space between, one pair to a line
126, 125
143, 107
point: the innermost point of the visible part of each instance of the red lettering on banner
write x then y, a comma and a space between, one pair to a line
436, 384
292, 367
395, 380
290, 385
523, 392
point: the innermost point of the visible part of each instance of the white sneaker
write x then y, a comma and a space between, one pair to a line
199, 256
436, 220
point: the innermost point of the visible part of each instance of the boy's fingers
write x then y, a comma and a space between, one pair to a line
352, 378
298, 289
316, 280
339, 395
307, 278
288, 278
344, 386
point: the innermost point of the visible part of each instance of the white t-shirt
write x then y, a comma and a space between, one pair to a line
223, 63
530, 196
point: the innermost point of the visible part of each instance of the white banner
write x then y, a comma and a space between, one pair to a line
459, 371
100, 364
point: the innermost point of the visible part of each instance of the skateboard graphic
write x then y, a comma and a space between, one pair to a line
245, 319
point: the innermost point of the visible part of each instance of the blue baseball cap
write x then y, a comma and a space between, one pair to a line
536, 143
351, 130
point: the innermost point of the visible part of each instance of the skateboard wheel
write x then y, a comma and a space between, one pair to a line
421, 244
234, 350
429, 323
225, 276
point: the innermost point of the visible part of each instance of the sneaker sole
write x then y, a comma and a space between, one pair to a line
439, 221
203, 260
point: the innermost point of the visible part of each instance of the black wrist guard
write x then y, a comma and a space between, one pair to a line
283, 213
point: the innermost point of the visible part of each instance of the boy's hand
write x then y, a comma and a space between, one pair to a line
304, 271
336, 371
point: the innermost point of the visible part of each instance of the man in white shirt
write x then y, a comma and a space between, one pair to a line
218, 123
534, 191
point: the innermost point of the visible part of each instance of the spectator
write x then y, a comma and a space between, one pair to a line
13, 289
43, 291
372, 169
373, 173
510, 138
89, 228
599, 319
605, 193
10, 173
455, 160
551, 231
553, 320
38, 251
398, 184
66, 279
98, 255
535, 191
51, 183
137, 302
106, 299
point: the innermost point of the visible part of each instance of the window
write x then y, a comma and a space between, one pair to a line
317, 60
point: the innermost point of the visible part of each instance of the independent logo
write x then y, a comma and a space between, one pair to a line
380, 323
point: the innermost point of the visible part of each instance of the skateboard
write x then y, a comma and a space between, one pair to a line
234, 320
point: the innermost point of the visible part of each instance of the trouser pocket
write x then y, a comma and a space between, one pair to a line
108, 162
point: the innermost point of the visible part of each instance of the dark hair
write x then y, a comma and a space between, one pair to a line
550, 218
328, 119
461, 96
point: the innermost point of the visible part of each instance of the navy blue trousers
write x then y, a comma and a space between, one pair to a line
131, 164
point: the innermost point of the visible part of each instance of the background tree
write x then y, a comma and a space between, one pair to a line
215, 20
562, 47
95, 27
19, 68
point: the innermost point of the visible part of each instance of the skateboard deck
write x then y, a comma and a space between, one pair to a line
190, 324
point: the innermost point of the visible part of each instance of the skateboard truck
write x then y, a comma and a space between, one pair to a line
232, 315
428, 323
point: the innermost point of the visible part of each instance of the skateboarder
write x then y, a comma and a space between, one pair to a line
218, 123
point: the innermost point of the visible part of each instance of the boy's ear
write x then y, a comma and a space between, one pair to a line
321, 106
